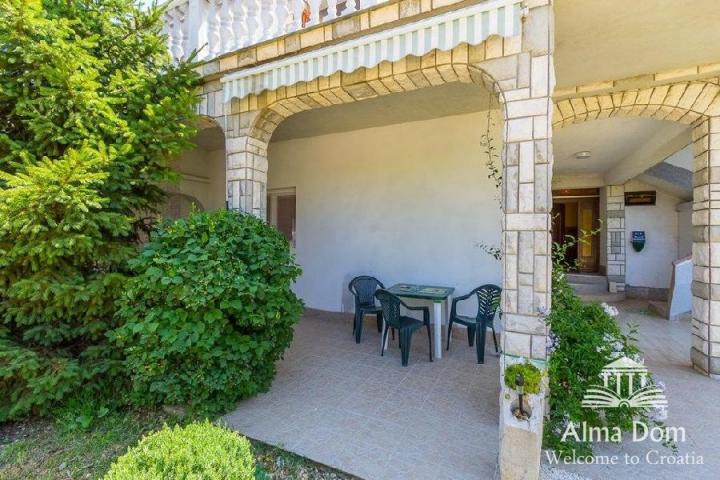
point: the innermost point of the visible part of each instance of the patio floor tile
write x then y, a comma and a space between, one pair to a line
342, 404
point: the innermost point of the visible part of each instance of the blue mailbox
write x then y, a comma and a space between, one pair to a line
638, 240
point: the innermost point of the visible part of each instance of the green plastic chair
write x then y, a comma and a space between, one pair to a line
406, 326
488, 298
363, 289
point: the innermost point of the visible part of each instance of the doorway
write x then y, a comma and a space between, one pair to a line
575, 214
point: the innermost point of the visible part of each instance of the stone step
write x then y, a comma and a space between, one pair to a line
661, 308
605, 297
586, 278
589, 288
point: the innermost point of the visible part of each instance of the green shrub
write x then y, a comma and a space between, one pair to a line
209, 312
199, 450
531, 375
584, 338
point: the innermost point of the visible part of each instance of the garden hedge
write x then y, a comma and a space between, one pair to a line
197, 451
209, 311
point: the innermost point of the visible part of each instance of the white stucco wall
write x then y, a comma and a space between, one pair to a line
653, 265
685, 229
205, 176
405, 203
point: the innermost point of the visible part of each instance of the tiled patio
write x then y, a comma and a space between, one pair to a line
342, 404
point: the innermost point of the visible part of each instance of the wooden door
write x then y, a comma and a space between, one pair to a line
588, 246
558, 222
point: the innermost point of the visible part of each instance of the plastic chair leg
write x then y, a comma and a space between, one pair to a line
379, 321
497, 350
449, 333
384, 338
471, 335
359, 326
480, 343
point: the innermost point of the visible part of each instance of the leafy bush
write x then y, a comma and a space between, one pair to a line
583, 339
91, 112
532, 377
209, 312
199, 450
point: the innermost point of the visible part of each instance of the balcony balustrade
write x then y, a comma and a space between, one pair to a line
216, 27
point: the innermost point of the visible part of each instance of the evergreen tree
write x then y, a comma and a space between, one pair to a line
91, 112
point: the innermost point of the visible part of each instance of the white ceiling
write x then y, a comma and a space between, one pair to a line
598, 40
423, 104
611, 140
682, 158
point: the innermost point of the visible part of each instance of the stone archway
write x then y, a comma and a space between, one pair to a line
518, 69
696, 103
684, 102
522, 83
258, 117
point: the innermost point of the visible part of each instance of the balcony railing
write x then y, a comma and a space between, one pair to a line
215, 27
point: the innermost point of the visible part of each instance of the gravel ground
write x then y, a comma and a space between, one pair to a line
551, 473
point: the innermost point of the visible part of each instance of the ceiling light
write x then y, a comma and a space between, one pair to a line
583, 155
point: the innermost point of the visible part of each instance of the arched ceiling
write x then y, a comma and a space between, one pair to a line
423, 104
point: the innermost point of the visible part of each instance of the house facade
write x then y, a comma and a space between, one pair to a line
367, 132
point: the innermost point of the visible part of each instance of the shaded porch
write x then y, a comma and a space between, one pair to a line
342, 404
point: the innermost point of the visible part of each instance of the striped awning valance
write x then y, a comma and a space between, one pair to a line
471, 25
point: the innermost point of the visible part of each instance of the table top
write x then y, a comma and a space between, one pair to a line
428, 292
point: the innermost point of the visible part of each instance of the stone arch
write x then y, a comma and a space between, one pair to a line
255, 118
684, 102
519, 71
408, 74
522, 83
695, 103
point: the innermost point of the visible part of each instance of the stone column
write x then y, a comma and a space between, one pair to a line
246, 166
527, 202
705, 351
615, 231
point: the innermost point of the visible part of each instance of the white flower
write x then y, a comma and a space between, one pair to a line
615, 355
610, 310
658, 414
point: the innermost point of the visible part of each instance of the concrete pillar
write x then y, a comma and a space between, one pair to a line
246, 166
705, 351
527, 202
615, 231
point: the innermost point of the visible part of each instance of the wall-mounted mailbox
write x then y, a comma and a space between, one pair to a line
638, 240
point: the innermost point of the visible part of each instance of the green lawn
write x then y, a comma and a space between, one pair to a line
43, 449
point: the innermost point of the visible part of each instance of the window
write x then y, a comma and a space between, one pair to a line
281, 211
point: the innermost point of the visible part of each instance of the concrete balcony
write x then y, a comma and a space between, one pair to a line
216, 27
